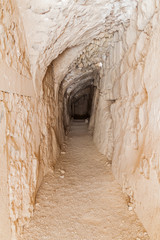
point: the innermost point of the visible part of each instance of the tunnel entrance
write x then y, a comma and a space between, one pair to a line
77, 100
81, 103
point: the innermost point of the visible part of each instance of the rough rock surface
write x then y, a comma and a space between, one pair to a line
113, 45
136, 153
12, 42
131, 82
29, 148
14, 61
56, 20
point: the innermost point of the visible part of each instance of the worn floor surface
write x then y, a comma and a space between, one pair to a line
81, 200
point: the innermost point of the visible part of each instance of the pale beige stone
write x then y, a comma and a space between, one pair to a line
50, 52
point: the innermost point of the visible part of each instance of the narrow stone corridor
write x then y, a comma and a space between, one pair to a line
81, 200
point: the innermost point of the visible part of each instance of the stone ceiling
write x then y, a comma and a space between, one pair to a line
53, 26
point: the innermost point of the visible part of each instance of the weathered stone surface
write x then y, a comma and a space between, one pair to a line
5, 228
29, 148
135, 117
126, 107
50, 26
89, 43
14, 61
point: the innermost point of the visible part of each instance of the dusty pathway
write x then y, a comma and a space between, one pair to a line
82, 201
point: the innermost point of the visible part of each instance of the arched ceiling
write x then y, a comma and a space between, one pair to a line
80, 89
78, 80
51, 27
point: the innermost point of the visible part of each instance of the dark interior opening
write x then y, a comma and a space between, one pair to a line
81, 103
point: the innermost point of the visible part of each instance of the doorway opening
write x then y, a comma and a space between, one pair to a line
81, 103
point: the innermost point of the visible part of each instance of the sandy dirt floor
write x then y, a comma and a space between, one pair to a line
81, 200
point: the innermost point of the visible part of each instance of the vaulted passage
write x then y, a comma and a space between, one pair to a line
79, 101
81, 199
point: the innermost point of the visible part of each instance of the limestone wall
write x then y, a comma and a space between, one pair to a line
50, 142
14, 78
14, 61
137, 152
131, 81
22, 146
125, 114
29, 150
28, 146
103, 128
20, 141
5, 228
